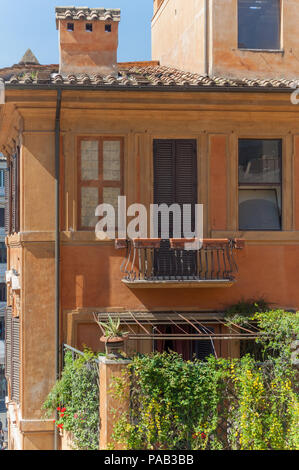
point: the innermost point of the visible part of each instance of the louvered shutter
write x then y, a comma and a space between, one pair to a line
203, 348
175, 181
8, 341
13, 192
17, 191
186, 175
7, 201
15, 374
164, 193
186, 193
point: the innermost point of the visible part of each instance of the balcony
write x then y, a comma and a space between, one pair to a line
156, 263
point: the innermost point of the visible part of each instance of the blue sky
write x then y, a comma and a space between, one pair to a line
31, 24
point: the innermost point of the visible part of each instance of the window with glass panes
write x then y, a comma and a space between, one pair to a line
259, 24
260, 194
100, 177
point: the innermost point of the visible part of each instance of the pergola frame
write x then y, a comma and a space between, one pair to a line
199, 321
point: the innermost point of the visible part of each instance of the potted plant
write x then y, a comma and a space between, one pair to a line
113, 336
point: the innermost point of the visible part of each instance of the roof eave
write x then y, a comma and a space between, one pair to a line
192, 88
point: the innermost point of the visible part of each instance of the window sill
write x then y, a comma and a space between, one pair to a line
271, 51
264, 237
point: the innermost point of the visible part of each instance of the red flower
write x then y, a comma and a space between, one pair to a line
194, 436
203, 436
63, 410
54, 421
61, 415
58, 409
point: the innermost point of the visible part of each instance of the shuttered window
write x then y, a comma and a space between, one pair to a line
175, 173
12, 353
12, 194
8, 341
100, 177
175, 182
7, 217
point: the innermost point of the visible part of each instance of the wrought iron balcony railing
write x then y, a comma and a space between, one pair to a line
156, 262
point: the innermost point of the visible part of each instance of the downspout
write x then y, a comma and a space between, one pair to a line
57, 249
206, 36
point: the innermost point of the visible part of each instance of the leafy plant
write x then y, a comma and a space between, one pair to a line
241, 312
112, 328
234, 404
279, 329
76, 399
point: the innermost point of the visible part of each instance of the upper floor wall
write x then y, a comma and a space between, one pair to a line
228, 37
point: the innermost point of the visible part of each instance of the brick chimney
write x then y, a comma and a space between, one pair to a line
88, 40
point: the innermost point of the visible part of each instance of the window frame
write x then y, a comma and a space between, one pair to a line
100, 183
280, 35
262, 186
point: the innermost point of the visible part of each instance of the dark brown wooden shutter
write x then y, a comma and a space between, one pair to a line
164, 193
8, 341
175, 181
202, 348
186, 175
17, 191
175, 172
12, 353
7, 201
164, 172
13, 192
15, 375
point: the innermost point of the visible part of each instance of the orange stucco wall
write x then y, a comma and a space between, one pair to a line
90, 269
88, 52
177, 34
179, 40
264, 271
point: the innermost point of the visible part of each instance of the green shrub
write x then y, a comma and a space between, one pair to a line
76, 398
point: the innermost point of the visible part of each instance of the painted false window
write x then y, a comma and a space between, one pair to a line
260, 197
259, 24
100, 169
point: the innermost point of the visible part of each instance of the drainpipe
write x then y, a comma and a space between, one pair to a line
57, 249
206, 36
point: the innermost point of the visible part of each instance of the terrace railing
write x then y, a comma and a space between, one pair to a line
157, 261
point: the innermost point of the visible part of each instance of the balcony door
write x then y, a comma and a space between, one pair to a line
175, 181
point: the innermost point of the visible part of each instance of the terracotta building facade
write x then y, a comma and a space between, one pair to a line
171, 130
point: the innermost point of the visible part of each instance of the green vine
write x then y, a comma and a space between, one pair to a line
76, 398
234, 404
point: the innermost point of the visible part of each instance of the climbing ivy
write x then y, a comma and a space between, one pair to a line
234, 404
76, 398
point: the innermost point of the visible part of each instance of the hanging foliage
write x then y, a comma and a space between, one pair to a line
76, 398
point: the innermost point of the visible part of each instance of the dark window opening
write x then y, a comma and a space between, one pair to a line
259, 24
2, 178
2, 331
108, 28
88, 27
189, 349
260, 195
1, 216
3, 256
70, 26
2, 292
252, 348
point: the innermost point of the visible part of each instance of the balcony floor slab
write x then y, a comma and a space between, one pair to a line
183, 284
